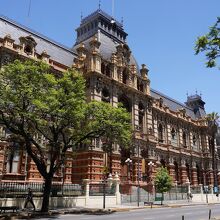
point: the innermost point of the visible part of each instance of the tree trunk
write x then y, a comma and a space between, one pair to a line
46, 194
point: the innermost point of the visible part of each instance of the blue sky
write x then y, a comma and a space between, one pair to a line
161, 34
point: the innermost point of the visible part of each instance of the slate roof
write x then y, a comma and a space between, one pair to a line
65, 55
57, 51
173, 104
107, 47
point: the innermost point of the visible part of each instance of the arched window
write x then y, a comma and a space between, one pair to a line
184, 139
125, 102
176, 168
173, 137
173, 134
141, 115
188, 172
108, 70
194, 141
125, 76
105, 95
103, 68
160, 133
198, 174
13, 159
163, 163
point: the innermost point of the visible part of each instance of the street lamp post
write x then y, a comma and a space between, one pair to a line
128, 161
63, 176
150, 164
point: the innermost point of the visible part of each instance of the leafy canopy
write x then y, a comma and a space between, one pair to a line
163, 181
35, 102
210, 44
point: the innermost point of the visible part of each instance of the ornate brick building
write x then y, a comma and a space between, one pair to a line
166, 132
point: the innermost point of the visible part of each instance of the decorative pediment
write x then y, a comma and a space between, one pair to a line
28, 43
123, 53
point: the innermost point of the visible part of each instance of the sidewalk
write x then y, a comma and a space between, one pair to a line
97, 210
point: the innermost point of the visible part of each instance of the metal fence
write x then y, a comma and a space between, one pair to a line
100, 188
20, 189
176, 193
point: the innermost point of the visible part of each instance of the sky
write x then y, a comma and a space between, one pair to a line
161, 34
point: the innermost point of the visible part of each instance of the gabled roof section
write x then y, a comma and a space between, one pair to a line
175, 105
56, 51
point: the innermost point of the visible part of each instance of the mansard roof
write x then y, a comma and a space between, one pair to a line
175, 105
65, 56
107, 48
56, 51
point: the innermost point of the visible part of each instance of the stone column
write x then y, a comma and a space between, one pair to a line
171, 169
168, 134
135, 114
194, 174
149, 118
117, 192
180, 141
183, 172
86, 188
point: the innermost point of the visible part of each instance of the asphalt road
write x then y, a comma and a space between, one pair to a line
199, 212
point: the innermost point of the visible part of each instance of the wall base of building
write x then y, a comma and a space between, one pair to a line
64, 202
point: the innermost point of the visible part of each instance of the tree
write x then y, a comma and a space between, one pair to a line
213, 119
36, 101
163, 181
210, 44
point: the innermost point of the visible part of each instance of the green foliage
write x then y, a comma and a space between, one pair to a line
163, 181
210, 44
37, 103
113, 122
213, 122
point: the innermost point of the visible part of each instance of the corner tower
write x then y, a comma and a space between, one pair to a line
102, 48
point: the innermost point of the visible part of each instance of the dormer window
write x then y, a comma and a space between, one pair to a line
28, 49
28, 43
106, 69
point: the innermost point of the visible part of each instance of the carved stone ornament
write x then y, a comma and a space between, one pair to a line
171, 160
183, 162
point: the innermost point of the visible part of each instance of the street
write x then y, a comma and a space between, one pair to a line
198, 212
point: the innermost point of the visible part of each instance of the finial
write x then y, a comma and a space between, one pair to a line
99, 5
187, 94
201, 94
81, 16
196, 92
122, 21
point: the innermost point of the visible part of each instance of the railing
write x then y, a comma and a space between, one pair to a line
99, 189
16, 189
